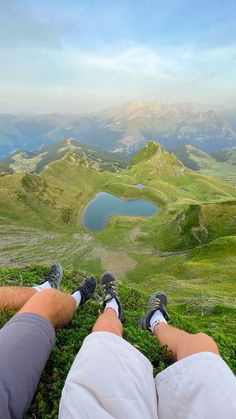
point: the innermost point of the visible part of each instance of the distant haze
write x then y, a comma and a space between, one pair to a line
72, 56
123, 129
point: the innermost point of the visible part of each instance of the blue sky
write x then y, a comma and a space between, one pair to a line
73, 56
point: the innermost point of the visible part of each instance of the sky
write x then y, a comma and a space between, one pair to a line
72, 56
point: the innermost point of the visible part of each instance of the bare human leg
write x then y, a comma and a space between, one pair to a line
183, 344
13, 298
108, 322
55, 306
179, 342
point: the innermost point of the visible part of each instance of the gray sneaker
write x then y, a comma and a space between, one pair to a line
54, 276
109, 288
158, 301
87, 288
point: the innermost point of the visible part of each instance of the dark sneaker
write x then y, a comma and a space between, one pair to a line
87, 288
158, 301
54, 276
109, 289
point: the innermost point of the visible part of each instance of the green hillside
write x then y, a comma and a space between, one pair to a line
36, 161
193, 158
220, 164
225, 156
154, 160
193, 314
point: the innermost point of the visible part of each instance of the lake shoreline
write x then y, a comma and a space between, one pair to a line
90, 215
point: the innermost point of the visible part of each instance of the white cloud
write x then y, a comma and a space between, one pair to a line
135, 61
183, 63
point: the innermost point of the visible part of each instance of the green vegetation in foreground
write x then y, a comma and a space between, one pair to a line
69, 340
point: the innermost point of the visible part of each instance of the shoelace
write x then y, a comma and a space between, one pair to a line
155, 304
111, 284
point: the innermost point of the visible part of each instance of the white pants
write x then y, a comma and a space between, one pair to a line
111, 379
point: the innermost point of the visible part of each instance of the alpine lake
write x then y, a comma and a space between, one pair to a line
97, 213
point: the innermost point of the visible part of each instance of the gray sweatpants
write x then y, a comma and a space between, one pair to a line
26, 342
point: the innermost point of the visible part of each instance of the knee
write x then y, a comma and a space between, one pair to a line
102, 324
192, 344
204, 337
49, 296
205, 341
106, 323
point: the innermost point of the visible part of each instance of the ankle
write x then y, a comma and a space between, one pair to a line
112, 310
44, 286
158, 327
112, 304
77, 297
156, 319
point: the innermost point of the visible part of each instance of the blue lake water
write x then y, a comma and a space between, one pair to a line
98, 211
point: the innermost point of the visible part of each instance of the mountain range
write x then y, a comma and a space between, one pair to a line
125, 128
221, 164
23, 161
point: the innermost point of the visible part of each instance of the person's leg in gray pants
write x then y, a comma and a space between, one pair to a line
26, 342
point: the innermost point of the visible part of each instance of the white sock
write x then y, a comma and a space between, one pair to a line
44, 286
156, 318
77, 296
113, 304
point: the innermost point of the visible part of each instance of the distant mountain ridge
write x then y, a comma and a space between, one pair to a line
193, 158
220, 164
22, 161
125, 128
228, 156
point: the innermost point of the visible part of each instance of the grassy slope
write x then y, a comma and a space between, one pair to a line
69, 340
219, 164
201, 284
228, 156
35, 162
